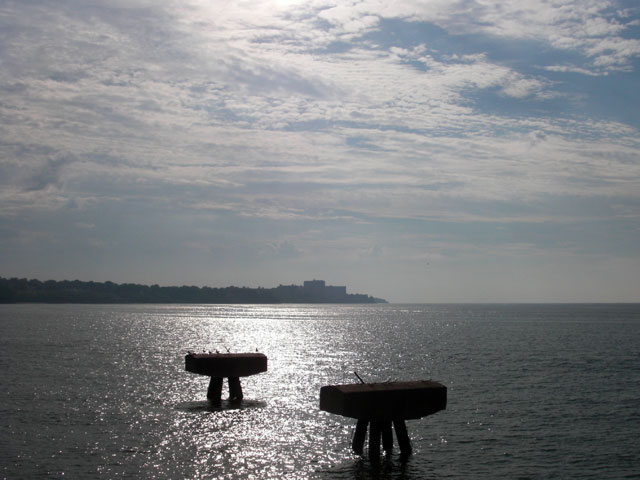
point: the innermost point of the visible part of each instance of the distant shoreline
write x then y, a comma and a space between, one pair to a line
22, 290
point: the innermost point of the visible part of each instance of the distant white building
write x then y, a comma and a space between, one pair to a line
320, 289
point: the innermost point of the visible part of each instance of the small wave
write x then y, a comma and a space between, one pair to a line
206, 406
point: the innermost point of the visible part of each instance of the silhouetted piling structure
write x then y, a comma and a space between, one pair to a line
378, 406
229, 365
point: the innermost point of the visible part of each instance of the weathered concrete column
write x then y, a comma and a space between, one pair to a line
235, 389
359, 436
374, 439
214, 392
387, 436
403, 437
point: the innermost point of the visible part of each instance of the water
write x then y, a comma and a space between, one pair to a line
535, 391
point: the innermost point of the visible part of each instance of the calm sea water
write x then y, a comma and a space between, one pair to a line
535, 391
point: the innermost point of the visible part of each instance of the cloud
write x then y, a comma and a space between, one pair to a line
314, 126
284, 249
572, 69
593, 28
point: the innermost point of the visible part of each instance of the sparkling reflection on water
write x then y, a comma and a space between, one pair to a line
101, 390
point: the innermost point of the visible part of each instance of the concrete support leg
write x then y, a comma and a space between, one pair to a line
403, 437
359, 436
374, 440
235, 389
214, 392
387, 436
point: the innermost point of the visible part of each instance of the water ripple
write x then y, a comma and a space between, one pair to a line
534, 391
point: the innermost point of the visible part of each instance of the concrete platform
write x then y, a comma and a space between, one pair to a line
384, 401
226, 364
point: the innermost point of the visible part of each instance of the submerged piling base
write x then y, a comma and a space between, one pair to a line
214, 392
380, 429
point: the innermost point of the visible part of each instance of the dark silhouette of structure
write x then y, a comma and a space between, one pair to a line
21, 290
379, 405
229, 365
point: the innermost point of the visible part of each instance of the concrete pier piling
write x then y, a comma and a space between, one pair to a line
215, 388
225, 365
378, 406
235, 389
359, 436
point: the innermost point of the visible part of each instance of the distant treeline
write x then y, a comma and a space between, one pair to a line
22, 290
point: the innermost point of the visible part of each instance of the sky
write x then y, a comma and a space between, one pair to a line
418, 151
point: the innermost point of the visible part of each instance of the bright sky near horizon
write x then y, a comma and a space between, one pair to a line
419, 151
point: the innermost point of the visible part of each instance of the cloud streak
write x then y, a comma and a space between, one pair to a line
314, 132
